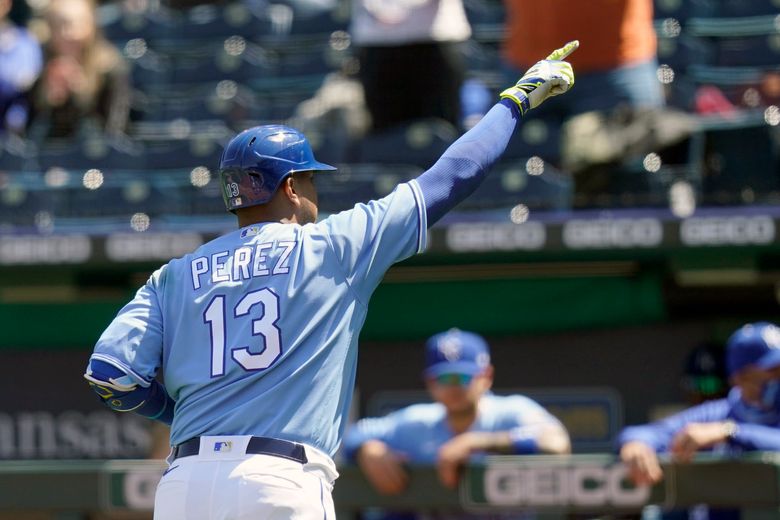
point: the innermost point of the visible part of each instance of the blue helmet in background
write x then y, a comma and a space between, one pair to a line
753, 344
256, 161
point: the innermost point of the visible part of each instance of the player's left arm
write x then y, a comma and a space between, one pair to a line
117, 390
542, 438
549, 437
527, 428
660, 435
123, 366
371, 237
463, 167
748, 436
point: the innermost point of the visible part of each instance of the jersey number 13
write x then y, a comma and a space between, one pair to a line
263, 325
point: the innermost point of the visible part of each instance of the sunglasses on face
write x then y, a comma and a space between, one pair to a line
454, 379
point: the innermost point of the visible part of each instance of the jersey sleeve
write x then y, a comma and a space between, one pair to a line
133, 341
757, 437
524, 411
370, 428
659, 434
371, 237
527, 418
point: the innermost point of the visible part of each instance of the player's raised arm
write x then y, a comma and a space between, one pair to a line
466, 162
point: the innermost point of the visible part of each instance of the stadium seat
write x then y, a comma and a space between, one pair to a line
230, 58
484, 61
17, 154
306, 57
149, 70
484, 12
360, 182
735, 8
182, 153
682, 51
742, 41
323, 22
210, 21
538, 185
751, 51
119, 24
91, 152
20, 205
740, 160
226, 100
205, 200
536, 137
418, 143
680, 9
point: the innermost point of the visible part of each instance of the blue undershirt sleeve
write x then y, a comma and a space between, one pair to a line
757, 437
461, 169
659, 434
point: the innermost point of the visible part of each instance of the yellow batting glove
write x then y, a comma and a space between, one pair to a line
549, 77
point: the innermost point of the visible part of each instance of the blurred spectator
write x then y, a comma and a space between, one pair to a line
335, 117
85, 78
466, 421
410, 63
616, 117
616, 62
748, 419
20, 65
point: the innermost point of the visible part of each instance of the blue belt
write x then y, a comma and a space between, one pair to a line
257, 446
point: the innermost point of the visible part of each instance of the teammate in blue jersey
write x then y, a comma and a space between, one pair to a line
465, 422
748, 419
256, 331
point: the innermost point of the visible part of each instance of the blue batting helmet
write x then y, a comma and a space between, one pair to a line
256, 161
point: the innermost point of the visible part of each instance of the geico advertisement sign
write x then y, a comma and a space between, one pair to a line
138, 490
583, 485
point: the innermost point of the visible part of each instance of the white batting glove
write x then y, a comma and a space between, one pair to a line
549, 77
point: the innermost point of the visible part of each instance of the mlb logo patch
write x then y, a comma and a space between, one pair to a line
250, 231
223, 446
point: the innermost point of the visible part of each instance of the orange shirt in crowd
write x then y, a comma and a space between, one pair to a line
611, 32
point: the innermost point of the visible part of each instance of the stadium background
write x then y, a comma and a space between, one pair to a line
591, 304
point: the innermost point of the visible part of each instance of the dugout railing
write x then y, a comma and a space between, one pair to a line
554, 487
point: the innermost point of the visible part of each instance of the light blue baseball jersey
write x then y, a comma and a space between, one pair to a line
257, 330
418, 431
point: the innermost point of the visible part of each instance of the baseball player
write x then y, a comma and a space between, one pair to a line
465, 422
256, 331
748, 419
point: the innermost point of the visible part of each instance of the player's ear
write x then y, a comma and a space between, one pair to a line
289, 190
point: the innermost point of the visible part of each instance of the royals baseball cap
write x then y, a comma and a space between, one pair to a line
456, 352
753, 344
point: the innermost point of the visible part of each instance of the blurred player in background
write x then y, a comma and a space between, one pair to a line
465, 422
256, 331
748, 419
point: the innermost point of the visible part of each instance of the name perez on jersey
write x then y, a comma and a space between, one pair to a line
243, 263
